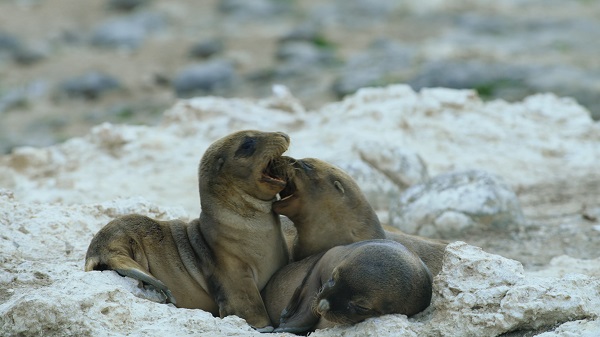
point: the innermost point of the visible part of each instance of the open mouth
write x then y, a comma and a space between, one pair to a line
287, 192
277, 171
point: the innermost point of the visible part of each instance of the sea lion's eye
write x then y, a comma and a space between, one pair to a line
360, 309
247, 148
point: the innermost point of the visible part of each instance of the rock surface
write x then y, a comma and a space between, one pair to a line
52, 201
452, 204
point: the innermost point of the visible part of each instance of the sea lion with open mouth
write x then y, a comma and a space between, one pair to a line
221, 261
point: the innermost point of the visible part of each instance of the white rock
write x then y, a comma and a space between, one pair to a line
52, 201
449, 205
402, 166
481, 294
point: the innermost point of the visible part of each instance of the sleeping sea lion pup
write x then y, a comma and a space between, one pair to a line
328, 209
220, 261
351, 283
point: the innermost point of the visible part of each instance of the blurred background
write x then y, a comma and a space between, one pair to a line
66, 65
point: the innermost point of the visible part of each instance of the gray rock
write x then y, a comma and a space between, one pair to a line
11, 47
513, 82
127, 32
206, 48
27, 55
301, 59
256, 9
304, 52
384, 62
304, 32
485, 24
22, 96
489, 79
126, 5
580, 84
90, 85
9, 44
452, 204
356, 13
204, 78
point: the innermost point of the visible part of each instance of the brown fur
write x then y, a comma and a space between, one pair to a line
348, 284
222, 260
328, 209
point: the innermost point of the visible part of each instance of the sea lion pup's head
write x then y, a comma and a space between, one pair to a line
326, 206
245, 163
376, 278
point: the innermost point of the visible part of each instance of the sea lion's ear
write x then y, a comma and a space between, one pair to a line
339, 186
220, 163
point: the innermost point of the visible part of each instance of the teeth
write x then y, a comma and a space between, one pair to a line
279, 198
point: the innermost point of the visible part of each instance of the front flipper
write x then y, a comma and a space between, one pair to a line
148, 279
236, 293
299, 316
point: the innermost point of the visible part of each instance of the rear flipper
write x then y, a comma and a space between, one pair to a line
149, 280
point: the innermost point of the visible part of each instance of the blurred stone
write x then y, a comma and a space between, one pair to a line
204, 78
489, 79
256, 9
207, 48
513, 82
127, 32
22, 96
452, 204
384, 62
303, 52
302, 59
30, 55
580, 84
90, 85
305, 32
357, 13
126, 5
9, 45
485, 24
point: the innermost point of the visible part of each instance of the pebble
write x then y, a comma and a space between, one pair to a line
204, 78
128, 32
90, 85
206, 48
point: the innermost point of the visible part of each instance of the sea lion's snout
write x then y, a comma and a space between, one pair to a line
284, 135
323, 306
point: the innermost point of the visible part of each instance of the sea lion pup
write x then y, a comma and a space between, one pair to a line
328, 209
348, 284
221, 261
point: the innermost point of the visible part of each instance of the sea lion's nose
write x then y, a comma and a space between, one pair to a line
323, 306
284, 135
